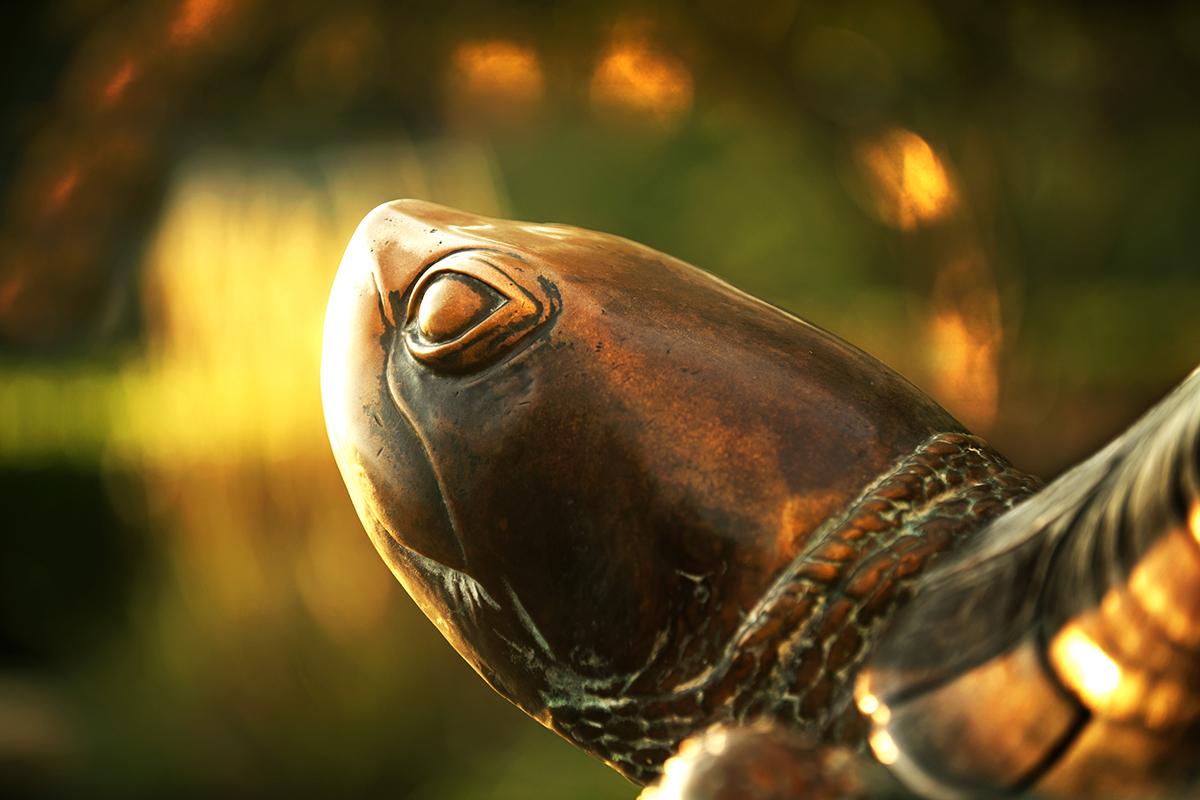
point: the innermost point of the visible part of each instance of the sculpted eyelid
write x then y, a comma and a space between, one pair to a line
471, 332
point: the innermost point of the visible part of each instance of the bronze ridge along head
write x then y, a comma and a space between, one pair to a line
584, 459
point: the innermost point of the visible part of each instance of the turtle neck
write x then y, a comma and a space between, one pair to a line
795, 654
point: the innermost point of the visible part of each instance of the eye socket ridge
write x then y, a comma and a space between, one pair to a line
466, 311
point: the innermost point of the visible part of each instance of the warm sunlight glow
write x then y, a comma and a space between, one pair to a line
884, 747
116, 86
871, 706
715, 741
220, 411
194, 17
965, 335
497, 73
965, 377
634, 77
10, 289
868, 704
1194, 521
677, 774
909, 183
236, 284
1085, 667
1164, 584
62, 189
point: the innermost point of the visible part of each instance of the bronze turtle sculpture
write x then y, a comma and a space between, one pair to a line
641, 503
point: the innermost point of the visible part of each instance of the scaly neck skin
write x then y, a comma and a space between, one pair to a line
795, 655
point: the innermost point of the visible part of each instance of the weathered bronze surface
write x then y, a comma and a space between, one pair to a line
638, 501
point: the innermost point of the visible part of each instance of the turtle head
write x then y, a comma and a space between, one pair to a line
584, 459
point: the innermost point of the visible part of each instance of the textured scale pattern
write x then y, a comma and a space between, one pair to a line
797, 652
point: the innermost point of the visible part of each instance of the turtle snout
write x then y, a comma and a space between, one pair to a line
379, 451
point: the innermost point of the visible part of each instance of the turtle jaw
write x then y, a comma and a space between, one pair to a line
484, 631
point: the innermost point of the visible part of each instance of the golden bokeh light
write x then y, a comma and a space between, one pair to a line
497, 80
965, 336
10, 289
193, 18
116, 86
965, 373
868, 703
634, 78
62, 189
871, 706
909, 184
1165, 588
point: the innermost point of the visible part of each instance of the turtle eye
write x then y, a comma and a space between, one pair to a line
469, 309
452, 304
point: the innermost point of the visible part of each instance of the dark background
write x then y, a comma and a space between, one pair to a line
999, 200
